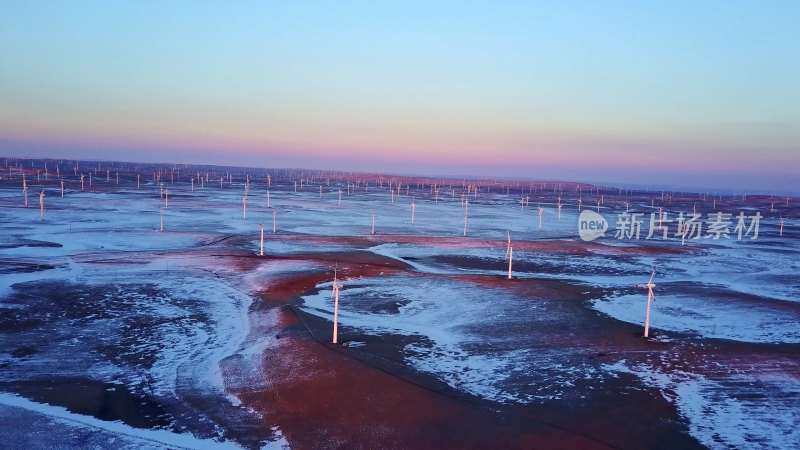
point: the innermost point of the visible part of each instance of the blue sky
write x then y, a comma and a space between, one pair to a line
688, 93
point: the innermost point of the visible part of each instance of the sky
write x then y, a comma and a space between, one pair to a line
680, 93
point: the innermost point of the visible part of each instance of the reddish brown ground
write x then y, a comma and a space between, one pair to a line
324, 396
322, 399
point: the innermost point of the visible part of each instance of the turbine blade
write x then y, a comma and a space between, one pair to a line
652, 275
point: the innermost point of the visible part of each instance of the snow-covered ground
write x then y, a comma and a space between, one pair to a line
490, 342
757, 409
57, 427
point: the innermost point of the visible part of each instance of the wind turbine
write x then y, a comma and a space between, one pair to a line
650, 295
335, 307
510, 258
781, 232
41, 203
540, 216
559, 208
261, 253
508, 245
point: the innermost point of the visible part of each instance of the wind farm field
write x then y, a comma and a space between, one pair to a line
139, 312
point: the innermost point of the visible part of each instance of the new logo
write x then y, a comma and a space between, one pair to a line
591, 225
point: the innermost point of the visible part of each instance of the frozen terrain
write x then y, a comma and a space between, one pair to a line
107, 323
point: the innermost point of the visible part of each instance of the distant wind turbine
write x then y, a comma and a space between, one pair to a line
559, 208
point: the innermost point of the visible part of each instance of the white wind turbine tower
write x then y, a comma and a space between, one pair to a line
261, 253
650, 296
559, 208
540, 216
335, 308
508, 245
510, 259
781, 232
41, 203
